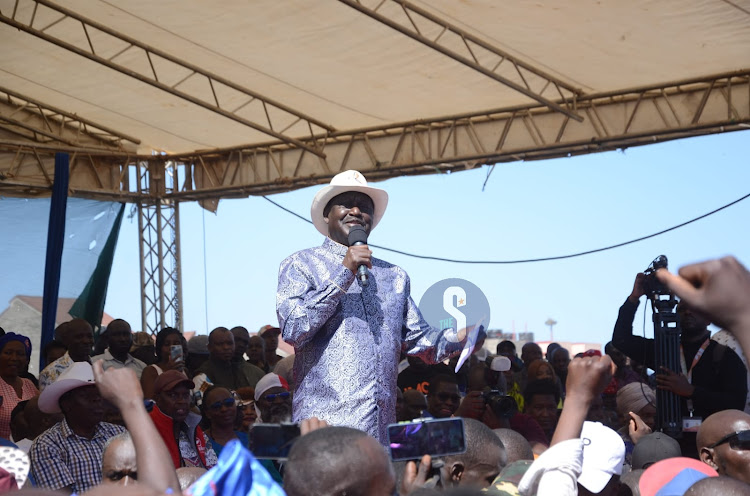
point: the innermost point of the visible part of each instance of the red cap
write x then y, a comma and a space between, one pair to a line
170, 379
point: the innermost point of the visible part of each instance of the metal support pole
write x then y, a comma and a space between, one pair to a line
178, 265
158, 222
141, 245
160, 261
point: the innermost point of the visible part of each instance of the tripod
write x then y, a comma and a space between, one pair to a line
667, 354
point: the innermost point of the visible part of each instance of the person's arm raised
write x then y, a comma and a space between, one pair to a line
587, 378
122, 388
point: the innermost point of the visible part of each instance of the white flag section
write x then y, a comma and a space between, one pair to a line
470, 342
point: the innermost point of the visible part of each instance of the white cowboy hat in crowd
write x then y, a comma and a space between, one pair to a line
350, 180
79, 374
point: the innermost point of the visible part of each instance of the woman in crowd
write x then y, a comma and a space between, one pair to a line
15, 352
541, 370
246, 407
219, 409
165, 339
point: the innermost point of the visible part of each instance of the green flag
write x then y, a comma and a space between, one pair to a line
90, 303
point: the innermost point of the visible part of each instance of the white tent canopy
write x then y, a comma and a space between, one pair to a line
159, 102
306, 88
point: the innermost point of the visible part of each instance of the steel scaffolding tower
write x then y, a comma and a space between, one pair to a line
159, 241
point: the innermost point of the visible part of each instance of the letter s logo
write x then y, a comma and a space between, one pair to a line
460, 295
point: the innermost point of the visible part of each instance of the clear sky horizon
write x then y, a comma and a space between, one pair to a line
527, 210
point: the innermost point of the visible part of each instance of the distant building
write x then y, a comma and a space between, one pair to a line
24, 316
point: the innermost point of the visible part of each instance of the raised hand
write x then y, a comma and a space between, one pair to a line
719, 289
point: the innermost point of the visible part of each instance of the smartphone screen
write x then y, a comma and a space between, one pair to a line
273, 441
434, 437
175, 352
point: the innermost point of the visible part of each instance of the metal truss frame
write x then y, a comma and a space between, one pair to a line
217, 92
159, 241
472, 51
43, 123
613, 120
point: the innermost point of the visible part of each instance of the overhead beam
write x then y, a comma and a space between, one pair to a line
614, 120
27, 170
474, 52
22, 111
165, 67
619, 119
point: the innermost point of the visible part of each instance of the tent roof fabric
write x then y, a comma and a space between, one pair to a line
183, 76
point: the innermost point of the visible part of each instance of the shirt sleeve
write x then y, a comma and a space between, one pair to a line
420, 339
636, 348
49, 468
303, 306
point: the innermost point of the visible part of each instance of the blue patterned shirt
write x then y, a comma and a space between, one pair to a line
61, 458
348, 338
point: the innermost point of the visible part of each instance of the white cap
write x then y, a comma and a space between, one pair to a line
603, 455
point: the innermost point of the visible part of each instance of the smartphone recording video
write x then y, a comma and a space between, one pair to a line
434, 437
175, 351
273, 441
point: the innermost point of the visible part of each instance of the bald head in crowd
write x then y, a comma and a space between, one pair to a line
483, 460
338, 460
118, 461
724, 443
516, 446
188, 475
718, 486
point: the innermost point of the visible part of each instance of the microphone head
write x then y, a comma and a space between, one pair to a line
357, 234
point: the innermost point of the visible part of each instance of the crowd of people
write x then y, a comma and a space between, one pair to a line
129, 413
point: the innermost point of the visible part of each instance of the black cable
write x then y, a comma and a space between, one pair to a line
529, 260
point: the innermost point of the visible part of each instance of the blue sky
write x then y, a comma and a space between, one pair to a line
527, 210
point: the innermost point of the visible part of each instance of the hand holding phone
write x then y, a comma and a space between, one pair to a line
434, 437
175, 353
273, 441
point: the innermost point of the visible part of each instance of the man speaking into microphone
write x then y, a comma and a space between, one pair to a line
349, 315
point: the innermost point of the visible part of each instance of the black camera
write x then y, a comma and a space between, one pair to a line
651, 284
502, 405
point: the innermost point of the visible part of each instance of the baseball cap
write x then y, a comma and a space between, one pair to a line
681, 482
268, 328
661, 473
603, 455
267, 382
171, 379
653, 448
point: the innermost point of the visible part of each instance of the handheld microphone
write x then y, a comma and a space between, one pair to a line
358, 236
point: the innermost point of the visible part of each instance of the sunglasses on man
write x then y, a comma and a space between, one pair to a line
272, 397
737, 440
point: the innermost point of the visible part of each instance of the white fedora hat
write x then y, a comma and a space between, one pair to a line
350, 180
79, 374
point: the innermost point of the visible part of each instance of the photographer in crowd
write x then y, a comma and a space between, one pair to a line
712, 378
